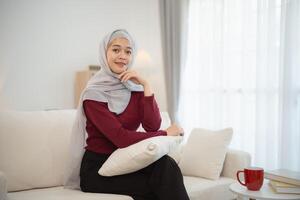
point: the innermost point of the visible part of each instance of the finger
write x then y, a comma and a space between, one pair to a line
122, 74
121, 77
125, 77
128, 76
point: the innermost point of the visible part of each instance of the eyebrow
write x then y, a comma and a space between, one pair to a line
116, 45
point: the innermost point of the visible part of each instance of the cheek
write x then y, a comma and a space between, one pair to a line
129, 58
110, 58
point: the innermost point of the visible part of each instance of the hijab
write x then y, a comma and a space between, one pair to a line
104, 86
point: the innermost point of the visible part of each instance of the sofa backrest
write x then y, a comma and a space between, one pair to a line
34, 147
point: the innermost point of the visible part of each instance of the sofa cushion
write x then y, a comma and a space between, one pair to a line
204, 153
197, 188
33, 147
235, 160
59, 193
139, 155
201, 188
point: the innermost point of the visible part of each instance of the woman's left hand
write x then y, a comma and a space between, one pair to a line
133, 76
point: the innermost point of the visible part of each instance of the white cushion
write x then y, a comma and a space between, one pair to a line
33, 147
165, 123
204, 153
139, 155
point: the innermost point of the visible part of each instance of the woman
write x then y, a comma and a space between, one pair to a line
113, 105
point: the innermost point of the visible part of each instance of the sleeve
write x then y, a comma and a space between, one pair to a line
151, 119
106, 122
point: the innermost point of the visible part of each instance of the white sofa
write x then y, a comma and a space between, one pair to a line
33, 153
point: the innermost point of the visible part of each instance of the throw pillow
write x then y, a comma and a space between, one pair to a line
205, 152
139, 155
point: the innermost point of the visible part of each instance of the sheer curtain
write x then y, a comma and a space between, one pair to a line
242, 71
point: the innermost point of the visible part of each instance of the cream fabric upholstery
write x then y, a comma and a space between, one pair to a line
138, 155
165, 123
198, 189
204, 153
33, 151
59, 193
33, 147
235, 160
201, 188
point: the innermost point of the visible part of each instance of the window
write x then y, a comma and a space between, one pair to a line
236, 76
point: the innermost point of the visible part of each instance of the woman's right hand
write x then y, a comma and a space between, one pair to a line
133, 76
174, 130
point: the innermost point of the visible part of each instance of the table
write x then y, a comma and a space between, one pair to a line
265, 192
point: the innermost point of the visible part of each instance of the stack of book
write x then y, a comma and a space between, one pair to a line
284, 181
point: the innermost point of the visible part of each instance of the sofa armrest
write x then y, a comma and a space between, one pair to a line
235, 160
3, 186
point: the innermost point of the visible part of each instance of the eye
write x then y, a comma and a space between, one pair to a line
116, 50
128, 52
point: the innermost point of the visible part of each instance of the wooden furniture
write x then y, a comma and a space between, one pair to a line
81, 79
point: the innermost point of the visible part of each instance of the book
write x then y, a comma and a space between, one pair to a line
281, 187
284, 175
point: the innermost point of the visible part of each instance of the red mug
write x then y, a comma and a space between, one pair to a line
253, 176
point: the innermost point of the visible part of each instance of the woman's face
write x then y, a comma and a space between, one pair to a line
118, 55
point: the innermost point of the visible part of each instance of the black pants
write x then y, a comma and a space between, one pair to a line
161, 180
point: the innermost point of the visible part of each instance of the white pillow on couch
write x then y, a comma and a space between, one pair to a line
139, 155
204, 153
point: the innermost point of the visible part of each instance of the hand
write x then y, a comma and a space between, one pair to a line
133, 76
174, 130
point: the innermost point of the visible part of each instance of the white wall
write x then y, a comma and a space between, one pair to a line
44, 42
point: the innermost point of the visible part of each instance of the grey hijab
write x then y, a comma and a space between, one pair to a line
104, 86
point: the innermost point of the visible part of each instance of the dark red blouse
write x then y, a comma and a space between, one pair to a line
108, 131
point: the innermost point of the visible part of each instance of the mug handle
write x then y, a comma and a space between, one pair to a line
238, 177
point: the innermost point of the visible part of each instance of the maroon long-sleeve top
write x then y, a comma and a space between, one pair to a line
108, 131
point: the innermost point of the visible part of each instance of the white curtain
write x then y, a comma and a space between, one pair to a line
243, 71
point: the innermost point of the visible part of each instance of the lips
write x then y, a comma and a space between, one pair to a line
120, 64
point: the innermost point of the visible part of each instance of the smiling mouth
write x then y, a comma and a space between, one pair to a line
119, 64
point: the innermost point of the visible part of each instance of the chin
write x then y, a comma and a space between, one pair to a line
118, 70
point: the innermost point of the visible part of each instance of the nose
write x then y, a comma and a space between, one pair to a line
123, 55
